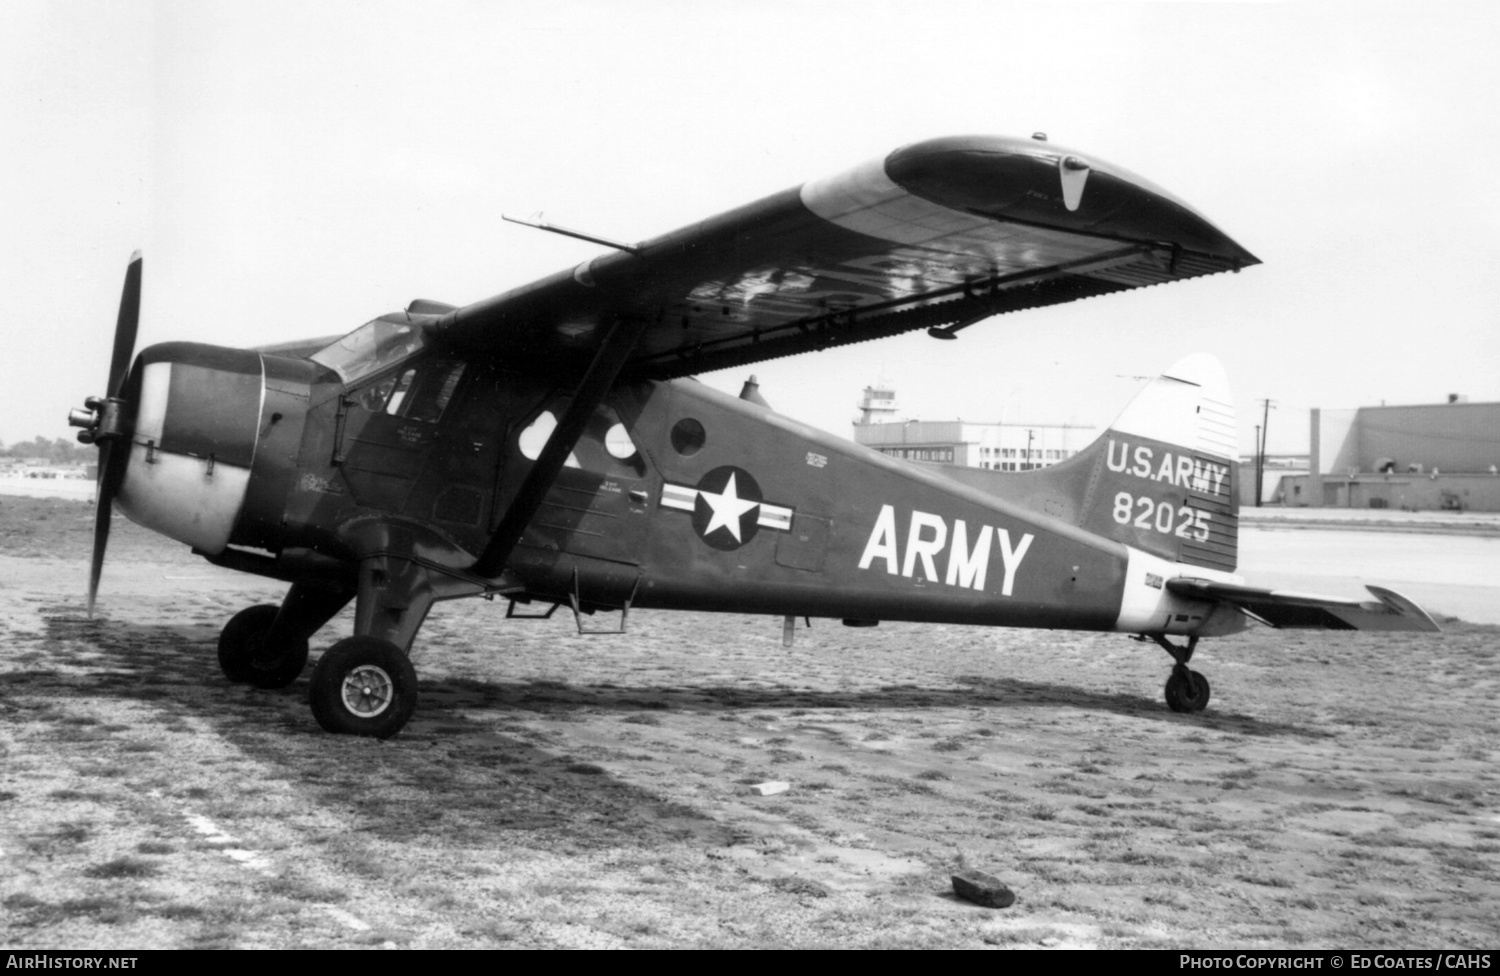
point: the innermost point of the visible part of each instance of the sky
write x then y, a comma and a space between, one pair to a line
292, 170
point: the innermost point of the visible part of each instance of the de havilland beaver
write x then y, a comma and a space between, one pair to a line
548, 445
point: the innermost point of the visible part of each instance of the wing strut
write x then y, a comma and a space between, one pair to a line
592, 389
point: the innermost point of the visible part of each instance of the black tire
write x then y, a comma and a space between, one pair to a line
244, 657
1187, 690
363, 686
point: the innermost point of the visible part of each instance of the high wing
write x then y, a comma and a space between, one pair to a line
936, 235
1277, 608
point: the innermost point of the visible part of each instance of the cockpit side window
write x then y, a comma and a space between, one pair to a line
397, 388
420, 392
371, 347
424, 393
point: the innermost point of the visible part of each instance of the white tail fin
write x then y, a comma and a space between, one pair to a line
1188, 406
1163, 475
1162, 478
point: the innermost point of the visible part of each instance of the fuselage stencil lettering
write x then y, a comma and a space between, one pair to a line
1181, 470
927, 538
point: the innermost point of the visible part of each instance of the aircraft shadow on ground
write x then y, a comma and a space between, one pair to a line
147, 662
448, 778
454, 777
996, 693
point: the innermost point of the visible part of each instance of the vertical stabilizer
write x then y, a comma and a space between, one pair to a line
1163, 475
1161, 479
1188, 405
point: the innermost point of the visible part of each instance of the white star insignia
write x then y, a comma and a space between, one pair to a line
727, 507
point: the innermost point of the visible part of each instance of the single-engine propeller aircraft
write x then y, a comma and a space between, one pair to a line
548, 445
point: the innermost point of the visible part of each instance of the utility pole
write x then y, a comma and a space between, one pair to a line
1029, 465
1260, 449
1257, 466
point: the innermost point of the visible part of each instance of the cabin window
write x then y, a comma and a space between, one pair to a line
419, 393
688, 437
398, 394
371, 347
375, 396
425, 395
618, 443
605, 447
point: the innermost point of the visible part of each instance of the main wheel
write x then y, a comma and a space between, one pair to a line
1187, 690
363, 686
245, 658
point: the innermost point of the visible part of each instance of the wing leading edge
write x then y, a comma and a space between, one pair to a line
1276, 608
938, 234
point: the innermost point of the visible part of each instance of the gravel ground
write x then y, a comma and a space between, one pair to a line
558, 790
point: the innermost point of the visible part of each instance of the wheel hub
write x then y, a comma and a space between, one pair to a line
368, 691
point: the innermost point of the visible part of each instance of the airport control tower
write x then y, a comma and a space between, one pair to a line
878, 405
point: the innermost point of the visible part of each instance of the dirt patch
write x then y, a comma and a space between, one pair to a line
558, 790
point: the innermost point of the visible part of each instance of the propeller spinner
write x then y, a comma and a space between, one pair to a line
106, 420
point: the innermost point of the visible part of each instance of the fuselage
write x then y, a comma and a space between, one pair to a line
675, 496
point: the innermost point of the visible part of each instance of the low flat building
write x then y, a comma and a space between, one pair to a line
1278, 478
994, 446
1418, 457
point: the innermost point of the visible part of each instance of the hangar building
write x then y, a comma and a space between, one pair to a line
1428, 456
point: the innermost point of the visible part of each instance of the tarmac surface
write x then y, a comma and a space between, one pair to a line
78, 489
560, 790
1449, 562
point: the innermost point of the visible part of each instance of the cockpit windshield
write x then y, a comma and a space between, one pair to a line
370, 347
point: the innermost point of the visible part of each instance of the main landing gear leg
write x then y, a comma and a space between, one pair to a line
366, 685
1186, 690
266, 646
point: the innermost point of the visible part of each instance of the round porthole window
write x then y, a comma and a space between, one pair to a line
618, 443
688, 437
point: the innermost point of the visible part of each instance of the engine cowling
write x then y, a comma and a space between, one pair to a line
192, 440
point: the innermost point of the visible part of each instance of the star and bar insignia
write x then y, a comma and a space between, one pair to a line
728, 507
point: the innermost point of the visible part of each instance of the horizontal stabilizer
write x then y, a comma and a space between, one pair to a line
1279, 608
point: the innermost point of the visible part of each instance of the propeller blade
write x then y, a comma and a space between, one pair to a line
112, 461
125, 327
104, 506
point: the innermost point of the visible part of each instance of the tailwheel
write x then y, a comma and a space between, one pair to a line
246, 658
1187, 690
363, 686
